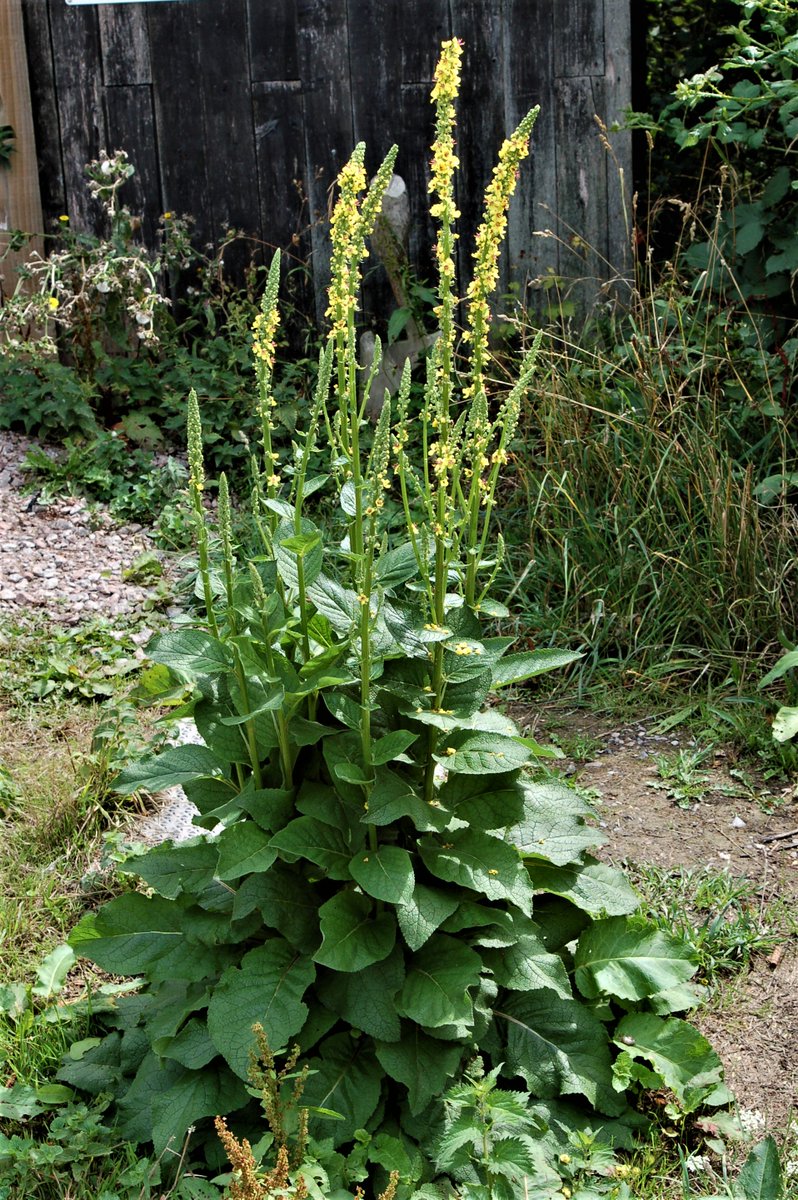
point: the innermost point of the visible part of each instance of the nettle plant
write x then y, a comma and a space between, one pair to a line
385, 884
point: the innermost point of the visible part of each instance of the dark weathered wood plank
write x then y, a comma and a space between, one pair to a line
620, 184
280, 148
130, 123
481, 121
273, 40
44, 102
579, 37
223, 88
581, 190
329, 138
125, 44
183, 157
532, 253
76, 43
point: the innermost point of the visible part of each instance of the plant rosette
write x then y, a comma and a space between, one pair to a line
386, 885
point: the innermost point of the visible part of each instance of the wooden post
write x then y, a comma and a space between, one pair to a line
20, 200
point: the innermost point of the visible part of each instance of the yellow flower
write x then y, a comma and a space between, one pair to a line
63, 218
167, 216
53, 302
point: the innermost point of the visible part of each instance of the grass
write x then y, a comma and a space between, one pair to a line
724, 917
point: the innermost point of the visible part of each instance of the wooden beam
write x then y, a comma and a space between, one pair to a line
20, 200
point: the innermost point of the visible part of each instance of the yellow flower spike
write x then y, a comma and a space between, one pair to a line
488, 243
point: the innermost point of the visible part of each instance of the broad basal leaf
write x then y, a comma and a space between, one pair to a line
559, 1048
243, 849
481, 862
346, 1079
439, 976
481, 753
305, 837
338, 604
129, 933
366, 999
517, 668
596, 887
353, 937
630, 961
397, 566
385, 873
191, 1047
191, 652
392, 798
178, 764
171, 869
551, 826
191, 1096
423, 913
290, 548
267, 988
423, 1064
288, 903
678, 1052
527, 966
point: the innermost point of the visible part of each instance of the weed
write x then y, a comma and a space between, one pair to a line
680, 776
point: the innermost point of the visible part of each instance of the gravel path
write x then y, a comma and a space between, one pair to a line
61, 559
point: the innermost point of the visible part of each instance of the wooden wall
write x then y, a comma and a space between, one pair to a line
242, 111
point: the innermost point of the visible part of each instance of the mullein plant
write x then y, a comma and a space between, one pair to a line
386, 884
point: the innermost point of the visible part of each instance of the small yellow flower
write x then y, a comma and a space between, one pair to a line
53, 302
492, 871
167, 216
450, 750
63, 218
273, 480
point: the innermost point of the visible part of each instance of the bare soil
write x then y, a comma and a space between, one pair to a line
747, 830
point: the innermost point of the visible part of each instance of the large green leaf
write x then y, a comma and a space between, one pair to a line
178, 764
675, 1049
267, 988
366, 999
191, 1047
290, 548
288, 903
528, 966
559, 1048
338, 604
478, 753
425, 1065
761, 1176
481, 862
345, 1079
423, 913
397, 566
129, 933
552, 826
171, 869
243, 849
191, 652
439, 976
627, 960
324, 845
166, 1098
385, 873
352, 936
517, 668
596, 887
392, 798
484, 804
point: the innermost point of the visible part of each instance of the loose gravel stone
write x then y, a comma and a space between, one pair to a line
60, 557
